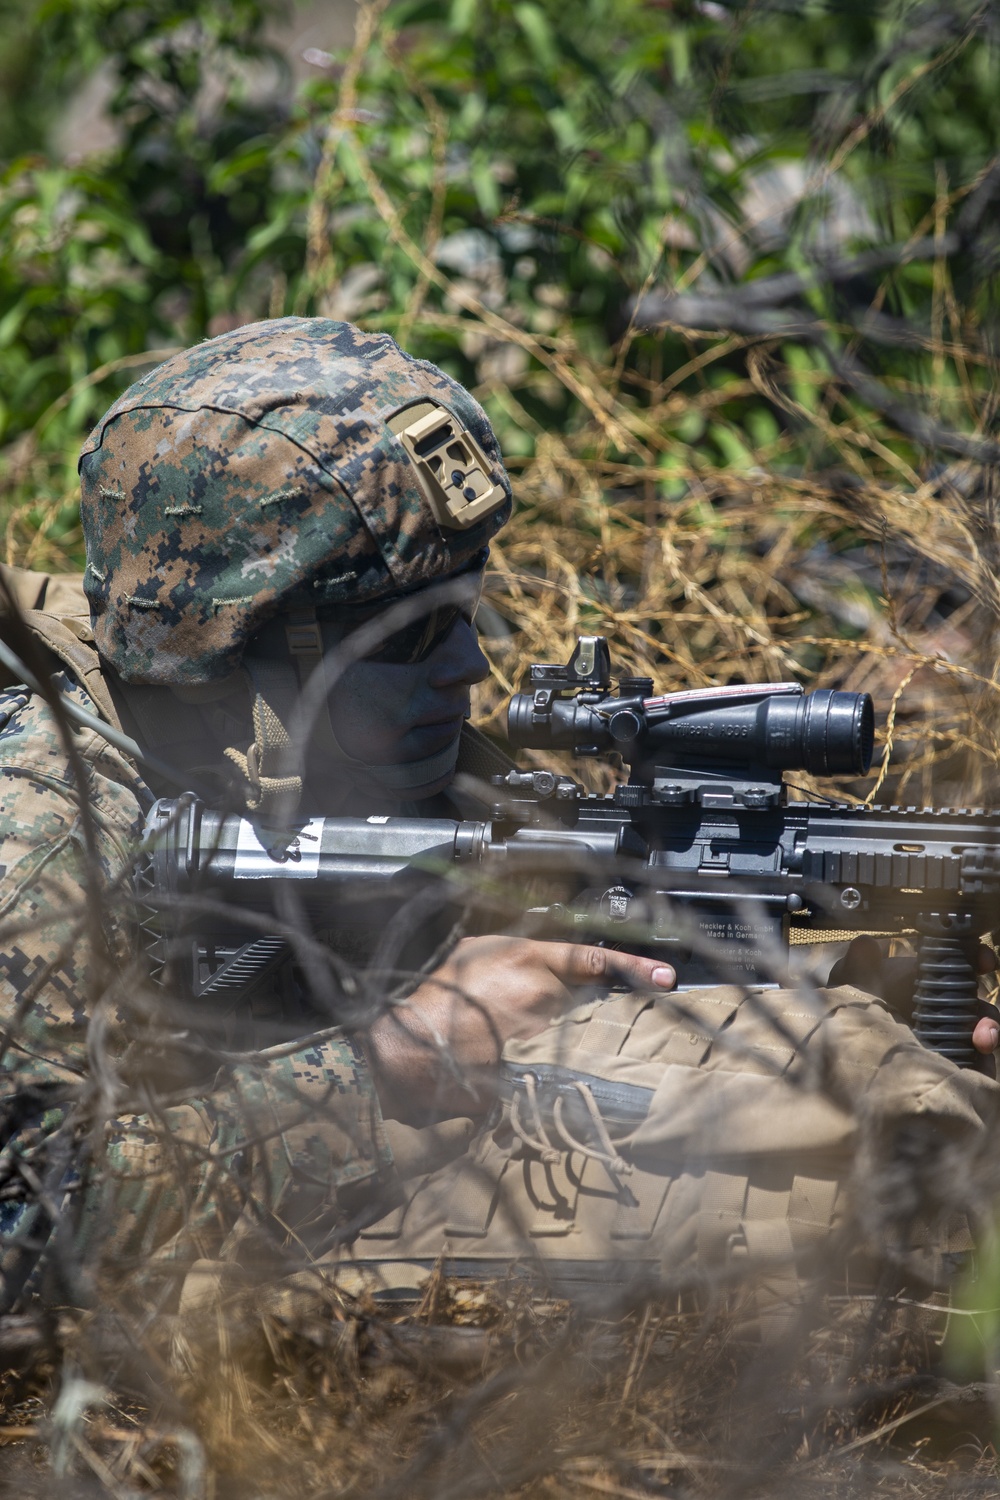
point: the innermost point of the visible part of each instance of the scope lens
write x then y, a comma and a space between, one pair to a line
866, 733
834, 733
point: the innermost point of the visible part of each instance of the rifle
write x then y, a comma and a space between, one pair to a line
699, 857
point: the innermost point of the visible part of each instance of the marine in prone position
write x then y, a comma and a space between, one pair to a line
286, 532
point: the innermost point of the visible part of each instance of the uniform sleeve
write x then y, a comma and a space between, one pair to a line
278, 1139
280, 1151
62, 937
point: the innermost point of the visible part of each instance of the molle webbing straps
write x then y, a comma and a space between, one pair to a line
470, 1203
711, 1167
640, 1205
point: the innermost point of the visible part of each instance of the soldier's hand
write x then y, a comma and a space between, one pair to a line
894, 980
986, 1036
436, 1054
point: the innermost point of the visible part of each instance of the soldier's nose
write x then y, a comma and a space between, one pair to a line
458, 658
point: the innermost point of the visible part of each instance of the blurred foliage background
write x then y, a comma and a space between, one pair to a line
723, 276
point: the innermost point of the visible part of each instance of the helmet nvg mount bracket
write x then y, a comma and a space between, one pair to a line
452, 469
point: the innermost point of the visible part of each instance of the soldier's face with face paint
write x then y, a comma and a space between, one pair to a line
396, 713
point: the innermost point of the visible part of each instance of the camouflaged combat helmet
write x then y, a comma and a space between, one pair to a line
296, 460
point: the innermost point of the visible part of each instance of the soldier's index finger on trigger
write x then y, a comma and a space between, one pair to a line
577, 963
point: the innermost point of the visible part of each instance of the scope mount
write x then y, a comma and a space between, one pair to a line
762, 790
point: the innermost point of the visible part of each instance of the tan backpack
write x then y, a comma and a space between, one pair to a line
56, 611
56, 593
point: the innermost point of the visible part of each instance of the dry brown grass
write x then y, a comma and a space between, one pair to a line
872, 587
875, 568
742, 576
493, 1394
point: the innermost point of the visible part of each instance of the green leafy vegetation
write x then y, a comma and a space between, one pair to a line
721, 275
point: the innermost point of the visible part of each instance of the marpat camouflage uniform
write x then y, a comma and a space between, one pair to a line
276, 1136
265, 471
258, 470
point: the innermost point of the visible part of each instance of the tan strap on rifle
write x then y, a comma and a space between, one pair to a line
271, 765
